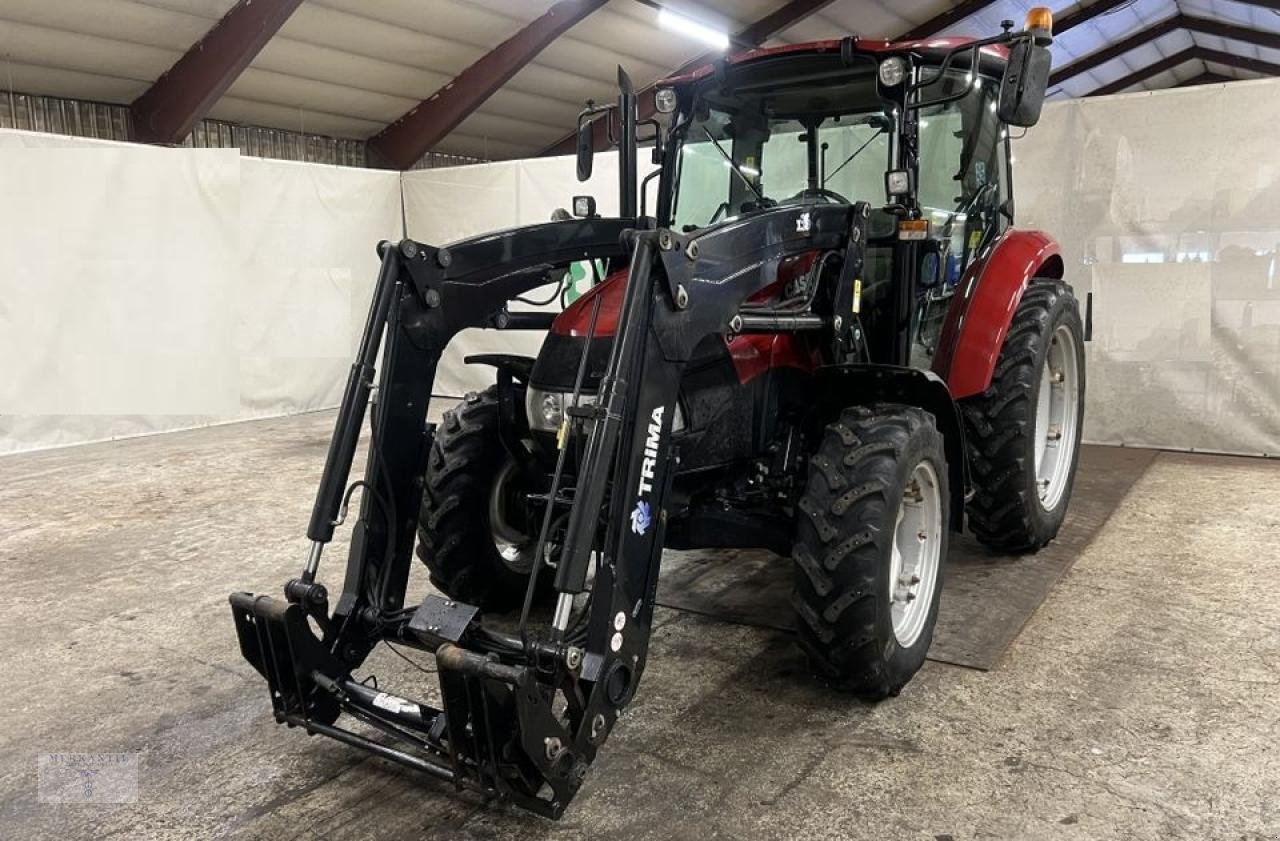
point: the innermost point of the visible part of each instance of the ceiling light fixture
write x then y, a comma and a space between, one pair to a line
678, 23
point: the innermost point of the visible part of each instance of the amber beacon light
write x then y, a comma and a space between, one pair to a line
1040, 23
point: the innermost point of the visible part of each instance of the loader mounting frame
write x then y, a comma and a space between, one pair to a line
498, 732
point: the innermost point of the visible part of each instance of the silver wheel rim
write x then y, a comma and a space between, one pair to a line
1057, 414
916, 554
514, 547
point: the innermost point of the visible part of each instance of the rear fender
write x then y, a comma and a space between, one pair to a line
983, 307
840, 386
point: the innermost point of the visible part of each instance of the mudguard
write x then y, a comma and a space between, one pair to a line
520, 367
983, 307
839, 386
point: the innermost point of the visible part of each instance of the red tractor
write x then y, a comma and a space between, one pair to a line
828, 340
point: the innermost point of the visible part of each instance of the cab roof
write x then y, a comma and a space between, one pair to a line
874, 46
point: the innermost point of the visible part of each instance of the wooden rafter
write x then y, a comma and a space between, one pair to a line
1255, 65
411, 136
1191, 23
179, 99
943, 20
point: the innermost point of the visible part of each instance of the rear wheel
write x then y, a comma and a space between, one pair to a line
471, 534
870, 542
1023, 432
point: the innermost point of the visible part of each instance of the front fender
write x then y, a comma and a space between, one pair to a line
982, 309
840, 386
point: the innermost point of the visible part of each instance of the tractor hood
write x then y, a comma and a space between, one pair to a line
557, 362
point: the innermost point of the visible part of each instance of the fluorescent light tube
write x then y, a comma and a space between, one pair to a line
682, 25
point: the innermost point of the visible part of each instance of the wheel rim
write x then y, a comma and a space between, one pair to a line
1057, 414
514, 546
916, 555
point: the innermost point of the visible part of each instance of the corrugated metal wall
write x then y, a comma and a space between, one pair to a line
432, 160
111, 122
277, 143
64, 116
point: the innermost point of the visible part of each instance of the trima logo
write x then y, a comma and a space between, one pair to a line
642, 516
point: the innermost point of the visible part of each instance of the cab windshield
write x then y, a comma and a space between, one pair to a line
801, 141
756, 148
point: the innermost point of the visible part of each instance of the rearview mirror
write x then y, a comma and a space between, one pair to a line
1022, 89
586, 149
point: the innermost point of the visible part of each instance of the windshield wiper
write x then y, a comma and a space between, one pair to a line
729, 160
849, 159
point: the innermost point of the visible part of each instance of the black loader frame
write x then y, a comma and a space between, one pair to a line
497, 732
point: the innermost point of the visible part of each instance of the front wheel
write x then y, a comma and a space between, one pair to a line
1023, 432
471, 534
871, 538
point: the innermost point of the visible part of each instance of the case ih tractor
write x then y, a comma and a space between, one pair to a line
828, 340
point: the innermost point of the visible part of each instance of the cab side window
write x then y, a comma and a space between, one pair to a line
962, 175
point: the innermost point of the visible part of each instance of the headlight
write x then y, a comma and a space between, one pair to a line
893, 71
551, 410
545, 409
664, 100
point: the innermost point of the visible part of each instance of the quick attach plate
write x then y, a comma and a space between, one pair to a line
440, 620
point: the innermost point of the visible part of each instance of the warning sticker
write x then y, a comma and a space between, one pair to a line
391, 703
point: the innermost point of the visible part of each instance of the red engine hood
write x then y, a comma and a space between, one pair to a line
752, 355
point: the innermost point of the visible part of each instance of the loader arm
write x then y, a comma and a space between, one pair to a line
500, 729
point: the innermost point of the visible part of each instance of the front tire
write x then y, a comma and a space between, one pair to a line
1023, 432
871, 538
465, 536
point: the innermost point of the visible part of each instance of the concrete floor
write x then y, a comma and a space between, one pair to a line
1141, 701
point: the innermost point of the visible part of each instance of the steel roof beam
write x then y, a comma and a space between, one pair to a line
169, 109
1088, 13
1115, 50
403, 142
941, 21
1224, 29
1255, 65
1173, 23
1144, 73
1240, 62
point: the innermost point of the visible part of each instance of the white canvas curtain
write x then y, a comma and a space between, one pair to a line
1167, 205
145, 289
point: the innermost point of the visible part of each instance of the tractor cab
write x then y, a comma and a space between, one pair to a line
917, 130
828, 126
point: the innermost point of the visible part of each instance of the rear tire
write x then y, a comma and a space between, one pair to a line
456, 532
852, 606
1016, 507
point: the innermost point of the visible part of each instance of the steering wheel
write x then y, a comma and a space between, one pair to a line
831, 196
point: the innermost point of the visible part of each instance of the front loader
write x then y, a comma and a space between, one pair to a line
788, 366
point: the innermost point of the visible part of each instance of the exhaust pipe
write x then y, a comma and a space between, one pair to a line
627, 207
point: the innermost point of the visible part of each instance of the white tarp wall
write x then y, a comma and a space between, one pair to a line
1167, 205
145, 289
